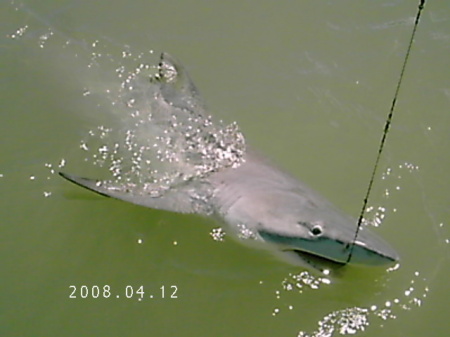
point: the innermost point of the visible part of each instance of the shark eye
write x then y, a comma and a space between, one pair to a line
316, 230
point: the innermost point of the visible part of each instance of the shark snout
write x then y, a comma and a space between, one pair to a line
371, 251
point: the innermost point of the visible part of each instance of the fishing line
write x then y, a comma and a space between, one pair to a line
386, 128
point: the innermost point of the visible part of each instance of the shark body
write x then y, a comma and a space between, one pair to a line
259, 202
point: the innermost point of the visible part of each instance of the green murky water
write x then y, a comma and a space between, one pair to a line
309, 83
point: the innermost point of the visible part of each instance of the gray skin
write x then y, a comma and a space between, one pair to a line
262, 205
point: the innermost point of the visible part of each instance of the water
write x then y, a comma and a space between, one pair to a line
309, 85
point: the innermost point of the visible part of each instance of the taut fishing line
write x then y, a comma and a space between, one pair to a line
386, 128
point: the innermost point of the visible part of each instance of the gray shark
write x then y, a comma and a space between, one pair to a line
261, 204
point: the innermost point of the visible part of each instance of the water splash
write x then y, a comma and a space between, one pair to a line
352, 320
304, 280
162, 137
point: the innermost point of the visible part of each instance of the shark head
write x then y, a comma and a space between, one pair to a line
317, 245
318, 235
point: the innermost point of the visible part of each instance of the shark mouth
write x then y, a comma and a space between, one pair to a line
317, 262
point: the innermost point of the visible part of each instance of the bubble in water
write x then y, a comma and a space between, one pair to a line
217, 234
19, 32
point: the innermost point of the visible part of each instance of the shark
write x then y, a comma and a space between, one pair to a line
260, 204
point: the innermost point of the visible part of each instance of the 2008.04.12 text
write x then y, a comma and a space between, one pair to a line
129, 292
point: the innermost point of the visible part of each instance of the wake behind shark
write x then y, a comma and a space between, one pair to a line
262, 205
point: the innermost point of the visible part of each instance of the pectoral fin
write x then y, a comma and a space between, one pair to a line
182, 200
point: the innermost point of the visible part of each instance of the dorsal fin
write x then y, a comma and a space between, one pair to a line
176, 86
